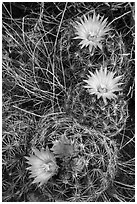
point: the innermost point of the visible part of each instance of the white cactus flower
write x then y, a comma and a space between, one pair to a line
91, 30
43, 166
103, 84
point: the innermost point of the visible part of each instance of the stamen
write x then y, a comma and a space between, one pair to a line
102, 89
46, 167
91, 37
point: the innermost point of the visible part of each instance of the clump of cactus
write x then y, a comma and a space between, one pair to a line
86, 160
77, 61
68, 92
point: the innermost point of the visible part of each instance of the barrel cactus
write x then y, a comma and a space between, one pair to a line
86, 160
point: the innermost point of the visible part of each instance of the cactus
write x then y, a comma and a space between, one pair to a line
87, 160
89, 111
68, 129
77, 62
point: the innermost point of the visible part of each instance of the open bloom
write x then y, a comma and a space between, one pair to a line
103, 84
91, 30
43, 166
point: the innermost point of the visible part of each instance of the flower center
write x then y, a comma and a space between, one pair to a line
91, 37
102, 89
46, 167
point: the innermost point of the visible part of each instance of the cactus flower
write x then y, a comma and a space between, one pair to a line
43, 166
91, 31
103, 84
